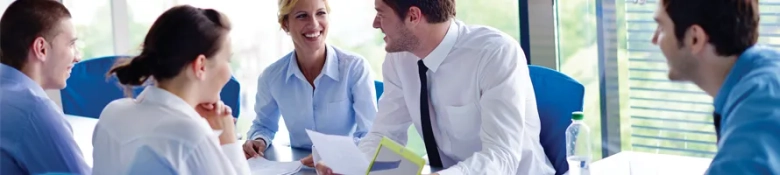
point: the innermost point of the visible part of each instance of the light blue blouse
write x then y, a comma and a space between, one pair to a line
343, 102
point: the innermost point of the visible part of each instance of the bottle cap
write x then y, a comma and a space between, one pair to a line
577, 115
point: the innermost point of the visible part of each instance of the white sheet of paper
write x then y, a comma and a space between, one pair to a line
262, 166
339, 153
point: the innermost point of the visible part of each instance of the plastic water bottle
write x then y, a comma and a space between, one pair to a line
578, 152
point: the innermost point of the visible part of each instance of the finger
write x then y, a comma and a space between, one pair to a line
259, 148
228, 110
220, 108
319, 169
208, 106
309, 164
249, 151
307, 161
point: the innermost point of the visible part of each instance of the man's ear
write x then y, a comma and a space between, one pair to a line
414, 15
38, 49
696, 38
199, 67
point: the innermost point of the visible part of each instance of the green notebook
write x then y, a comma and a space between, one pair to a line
392, 158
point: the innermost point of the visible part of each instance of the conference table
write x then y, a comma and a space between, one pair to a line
623, 163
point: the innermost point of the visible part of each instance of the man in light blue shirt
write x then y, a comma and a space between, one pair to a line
713, 44
37, 45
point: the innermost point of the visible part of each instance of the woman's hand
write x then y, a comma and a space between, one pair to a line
219, 117
308, 161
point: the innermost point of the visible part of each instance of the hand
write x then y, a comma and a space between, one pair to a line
254, 148
219, 117
323, 169
308, 161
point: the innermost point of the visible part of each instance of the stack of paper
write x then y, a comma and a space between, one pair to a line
262, 166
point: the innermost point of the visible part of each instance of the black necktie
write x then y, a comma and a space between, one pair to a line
430, 141
716, 121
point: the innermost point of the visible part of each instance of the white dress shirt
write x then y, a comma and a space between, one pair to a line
482, 104
159, 133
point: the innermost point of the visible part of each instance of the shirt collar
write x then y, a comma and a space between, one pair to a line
161, 97
437, 56
12, 75
753, 57
330, 69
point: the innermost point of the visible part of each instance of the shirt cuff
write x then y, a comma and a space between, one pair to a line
264, 139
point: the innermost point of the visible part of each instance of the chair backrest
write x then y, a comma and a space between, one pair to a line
557, 96
380, 87
88, 89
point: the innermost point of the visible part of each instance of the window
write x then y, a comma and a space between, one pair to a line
578, 58
657, 115
663, 116
93, 22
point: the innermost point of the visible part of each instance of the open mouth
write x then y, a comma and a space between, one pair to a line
312, 36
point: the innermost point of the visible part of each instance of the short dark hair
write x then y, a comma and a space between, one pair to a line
175, 40
24, 21
732, 25
435, 11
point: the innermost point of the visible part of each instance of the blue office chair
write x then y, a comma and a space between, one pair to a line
380, 87
557, 96
89, 90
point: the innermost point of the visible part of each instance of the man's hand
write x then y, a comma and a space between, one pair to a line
254, 148
323, 169
308, 161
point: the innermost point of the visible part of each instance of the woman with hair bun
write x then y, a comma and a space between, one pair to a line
178, 125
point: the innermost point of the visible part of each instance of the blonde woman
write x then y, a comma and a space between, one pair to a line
317, 86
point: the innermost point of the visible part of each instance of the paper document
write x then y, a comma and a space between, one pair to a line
262, 166
340, 153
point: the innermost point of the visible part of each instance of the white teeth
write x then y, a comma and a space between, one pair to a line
312, 35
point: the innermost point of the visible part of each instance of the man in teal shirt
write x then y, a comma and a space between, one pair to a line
713, 44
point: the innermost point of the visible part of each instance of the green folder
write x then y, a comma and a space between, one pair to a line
394, 158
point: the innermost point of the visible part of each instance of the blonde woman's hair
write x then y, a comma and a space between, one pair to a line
286, 6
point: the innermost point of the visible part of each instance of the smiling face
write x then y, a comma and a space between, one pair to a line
398, 37
60, 55
307, 24
678, 57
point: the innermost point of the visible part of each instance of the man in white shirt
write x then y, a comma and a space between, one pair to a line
478, 113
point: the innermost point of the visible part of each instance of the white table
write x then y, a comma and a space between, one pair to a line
639, 163
285, 153
623, 163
